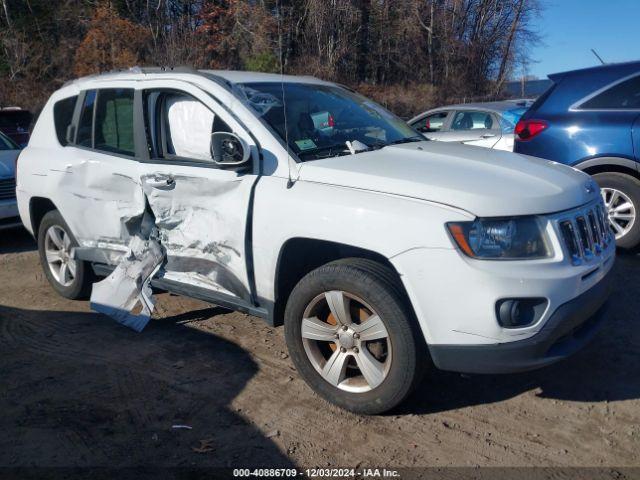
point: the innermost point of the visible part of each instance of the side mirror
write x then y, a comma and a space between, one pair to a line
228, 150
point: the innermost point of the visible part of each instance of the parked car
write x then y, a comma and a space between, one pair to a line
375, 248
590, 119
8, 206
15, 123
489, 124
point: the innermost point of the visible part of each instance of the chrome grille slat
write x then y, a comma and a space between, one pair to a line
585, 234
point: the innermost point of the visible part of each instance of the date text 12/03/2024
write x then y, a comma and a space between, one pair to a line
317, 473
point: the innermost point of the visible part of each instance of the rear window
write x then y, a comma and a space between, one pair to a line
542, 98
624, 95
62, 116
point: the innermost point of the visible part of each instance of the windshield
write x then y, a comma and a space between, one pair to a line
321, 120
7, 144
510, 118
15, 119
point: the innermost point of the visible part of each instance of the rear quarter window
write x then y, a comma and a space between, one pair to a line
622, 96
62, 117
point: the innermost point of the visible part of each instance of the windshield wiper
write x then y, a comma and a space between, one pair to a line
328, 149
406, 140
379, 145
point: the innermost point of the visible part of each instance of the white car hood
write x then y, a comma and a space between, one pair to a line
481, 181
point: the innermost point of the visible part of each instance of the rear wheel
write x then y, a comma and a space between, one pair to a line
621, 195
352, 336
70, 278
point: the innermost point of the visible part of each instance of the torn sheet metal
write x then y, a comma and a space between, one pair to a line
129, 284
200, 230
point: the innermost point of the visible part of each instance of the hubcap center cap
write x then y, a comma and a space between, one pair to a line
346, 340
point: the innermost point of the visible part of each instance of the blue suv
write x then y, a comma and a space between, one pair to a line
590, 119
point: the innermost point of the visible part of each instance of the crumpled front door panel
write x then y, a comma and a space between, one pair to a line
202, 226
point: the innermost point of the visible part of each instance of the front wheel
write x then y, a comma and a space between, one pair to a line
621, 195
353, 337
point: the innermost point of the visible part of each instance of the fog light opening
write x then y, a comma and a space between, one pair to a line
520, 312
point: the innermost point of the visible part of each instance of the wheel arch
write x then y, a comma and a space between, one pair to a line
38, 208
609, 164
300, 255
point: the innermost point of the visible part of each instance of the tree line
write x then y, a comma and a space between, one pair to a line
408, 54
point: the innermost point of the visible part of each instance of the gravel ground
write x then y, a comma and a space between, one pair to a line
79, 390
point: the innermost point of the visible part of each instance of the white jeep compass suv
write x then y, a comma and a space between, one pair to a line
302, 202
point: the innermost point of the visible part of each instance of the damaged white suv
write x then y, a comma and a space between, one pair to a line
299, 201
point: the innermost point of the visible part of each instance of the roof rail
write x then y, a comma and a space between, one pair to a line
138, 69
224, 83
161, 69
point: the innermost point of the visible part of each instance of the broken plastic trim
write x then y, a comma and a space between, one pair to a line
129, 284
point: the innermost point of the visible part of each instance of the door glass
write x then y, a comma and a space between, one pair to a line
114, 121
431, 123
472, 120
85, 126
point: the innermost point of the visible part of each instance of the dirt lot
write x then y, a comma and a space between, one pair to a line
77, 389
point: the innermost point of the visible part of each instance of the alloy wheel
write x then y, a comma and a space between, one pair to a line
57, 249
346, 341
620, 209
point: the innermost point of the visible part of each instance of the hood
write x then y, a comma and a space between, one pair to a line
484, 182
8, 163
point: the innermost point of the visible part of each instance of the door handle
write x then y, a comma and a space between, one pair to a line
488, 135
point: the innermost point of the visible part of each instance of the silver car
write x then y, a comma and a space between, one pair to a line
489, 124
8, 207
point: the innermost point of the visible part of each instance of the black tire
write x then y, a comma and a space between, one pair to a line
80, 287
379, 287
630, 186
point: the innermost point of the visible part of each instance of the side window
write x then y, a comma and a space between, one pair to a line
85, 125
431, 123
62, 117
624, 95
114, 121
472, 120
183, 126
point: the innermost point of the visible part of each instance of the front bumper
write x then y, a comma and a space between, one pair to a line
569, 328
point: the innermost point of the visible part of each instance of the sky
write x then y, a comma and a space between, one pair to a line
571, 28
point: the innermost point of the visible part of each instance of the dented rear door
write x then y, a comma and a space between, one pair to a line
200, 210
98, 190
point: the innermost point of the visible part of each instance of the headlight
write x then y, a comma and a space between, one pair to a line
501, 238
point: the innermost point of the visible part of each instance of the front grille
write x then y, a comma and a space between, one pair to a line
585, 233
7, 188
